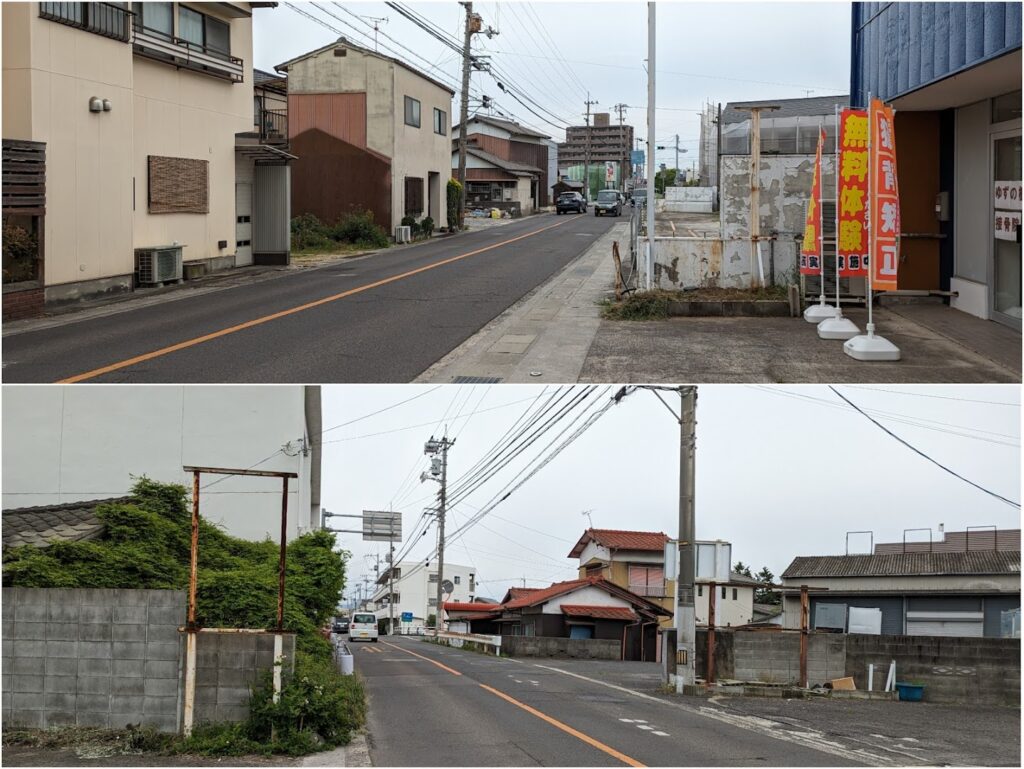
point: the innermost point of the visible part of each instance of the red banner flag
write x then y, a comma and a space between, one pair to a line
852, 202
885, 201
810, 252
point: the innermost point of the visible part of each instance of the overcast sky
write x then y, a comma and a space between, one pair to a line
779, 472
557, 51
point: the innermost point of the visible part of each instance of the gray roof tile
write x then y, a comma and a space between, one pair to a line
905, 564
69, 522
812, 106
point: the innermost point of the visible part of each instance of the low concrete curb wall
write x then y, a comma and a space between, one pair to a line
564, 648
755, 308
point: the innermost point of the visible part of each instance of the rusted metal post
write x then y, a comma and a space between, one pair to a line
804, 631
710, 678
618, 270
190, 628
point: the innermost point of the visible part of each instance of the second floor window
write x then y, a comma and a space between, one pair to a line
647, 580
457, 579
440, 122
204, 31
156, 17
412, 112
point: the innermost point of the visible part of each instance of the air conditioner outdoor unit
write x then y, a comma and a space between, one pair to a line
403, 234
158, 265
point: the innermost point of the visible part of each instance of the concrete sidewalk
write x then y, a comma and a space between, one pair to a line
544, 337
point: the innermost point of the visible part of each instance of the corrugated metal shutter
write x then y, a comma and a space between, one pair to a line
954, 628
272, 205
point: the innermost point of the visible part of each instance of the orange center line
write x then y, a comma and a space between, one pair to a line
567, 729
433, 662
291, 311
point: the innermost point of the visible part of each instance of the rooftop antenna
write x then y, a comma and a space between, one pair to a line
589, 519
377, 21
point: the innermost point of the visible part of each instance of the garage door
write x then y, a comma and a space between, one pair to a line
243, 224
956, 624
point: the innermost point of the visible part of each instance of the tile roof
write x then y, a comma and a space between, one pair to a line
480, 615
507, 125
546, 593
618, 539
470, 606
504, 165
735, 576
905, 564
519, 592
810, 107
600, 612
69, 522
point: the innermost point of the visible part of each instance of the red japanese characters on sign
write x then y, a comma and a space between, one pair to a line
853, 193
1006, 225
1007, 195
810, 252
885, 201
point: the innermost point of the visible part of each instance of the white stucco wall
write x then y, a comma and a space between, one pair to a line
415, 590
65, 444
728, 612
588, 596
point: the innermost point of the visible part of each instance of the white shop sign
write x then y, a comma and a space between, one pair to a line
1006, 225
1007, 195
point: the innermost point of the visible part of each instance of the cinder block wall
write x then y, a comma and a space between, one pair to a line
976, 670
106, 658
564, 648
227, 665
773, 657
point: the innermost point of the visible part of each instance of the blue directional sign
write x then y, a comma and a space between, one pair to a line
636, 157
406, 616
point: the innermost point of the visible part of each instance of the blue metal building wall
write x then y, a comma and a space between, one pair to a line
900, 47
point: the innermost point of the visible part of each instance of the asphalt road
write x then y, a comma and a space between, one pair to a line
477, 710
382, 318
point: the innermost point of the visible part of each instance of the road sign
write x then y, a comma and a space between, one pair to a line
406, 616
637, 157
447, 586
382, 526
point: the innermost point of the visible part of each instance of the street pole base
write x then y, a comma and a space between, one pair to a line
869, 347
838, 327
819, 312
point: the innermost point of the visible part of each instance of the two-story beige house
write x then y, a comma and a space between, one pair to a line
371, 133
137, 108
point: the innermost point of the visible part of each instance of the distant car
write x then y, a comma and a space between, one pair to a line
363, 628
607, 203
571, 201
340, 626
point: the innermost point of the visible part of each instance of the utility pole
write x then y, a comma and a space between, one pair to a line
391, 577
651, 21
439, 473
586, 157
621, 109
685, 613
474, 24
756, 278
677, 158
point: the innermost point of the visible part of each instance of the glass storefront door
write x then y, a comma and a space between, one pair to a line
1006, 228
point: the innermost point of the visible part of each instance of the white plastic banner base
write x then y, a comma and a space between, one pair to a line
869, 347
816, 313
839, 327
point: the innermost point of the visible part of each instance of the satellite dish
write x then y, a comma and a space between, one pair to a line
447, 586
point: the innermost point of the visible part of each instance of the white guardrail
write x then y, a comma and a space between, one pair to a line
457, 640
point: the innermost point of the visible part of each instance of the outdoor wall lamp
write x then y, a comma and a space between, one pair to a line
107, 106
95, 104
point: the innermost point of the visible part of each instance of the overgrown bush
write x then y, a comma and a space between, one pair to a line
309, 233
359, 228
412, 224
20, 253
454, 192
427, 226
643, 305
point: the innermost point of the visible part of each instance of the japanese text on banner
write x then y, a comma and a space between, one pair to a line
853, 193
810, 252
885, 203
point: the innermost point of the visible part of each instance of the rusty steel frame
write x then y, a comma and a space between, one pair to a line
193, 578
804, 631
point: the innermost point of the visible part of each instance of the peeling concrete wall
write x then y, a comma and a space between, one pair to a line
785, 182
699, 200
688, 263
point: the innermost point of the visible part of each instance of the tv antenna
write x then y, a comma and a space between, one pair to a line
589, 519
377, 21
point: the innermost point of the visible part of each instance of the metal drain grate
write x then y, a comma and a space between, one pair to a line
476, 380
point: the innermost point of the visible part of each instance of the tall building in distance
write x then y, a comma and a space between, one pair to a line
608, 142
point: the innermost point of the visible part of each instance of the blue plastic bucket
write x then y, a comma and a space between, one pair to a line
910, 692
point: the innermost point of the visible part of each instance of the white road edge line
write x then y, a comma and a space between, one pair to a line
805, 739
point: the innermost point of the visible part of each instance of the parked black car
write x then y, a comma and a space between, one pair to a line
607, 203
571, 201
340, 626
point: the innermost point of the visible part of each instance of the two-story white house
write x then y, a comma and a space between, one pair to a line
414, 588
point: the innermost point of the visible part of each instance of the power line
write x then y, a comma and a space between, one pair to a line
379, 411
918, 451
940, 397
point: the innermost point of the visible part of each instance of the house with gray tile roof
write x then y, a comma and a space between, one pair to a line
40, 526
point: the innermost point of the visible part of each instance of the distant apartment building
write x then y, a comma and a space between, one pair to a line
414, 586
66, 444
600, 143
371, 133
122, 124
507, 165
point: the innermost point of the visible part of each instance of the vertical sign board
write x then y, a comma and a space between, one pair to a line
609, 172
1007, 197
810, 252
885, 202
853, 193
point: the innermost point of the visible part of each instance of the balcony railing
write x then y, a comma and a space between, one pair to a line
272, 125
648, 591
186, 54
103, 19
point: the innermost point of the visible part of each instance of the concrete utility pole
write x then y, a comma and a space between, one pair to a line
650, 143
685, 614
586, 157
432, 448
391, 577
472, 25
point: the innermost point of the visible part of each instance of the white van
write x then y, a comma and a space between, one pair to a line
363, 627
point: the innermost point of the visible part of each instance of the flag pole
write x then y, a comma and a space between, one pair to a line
838, 326
869, 347
818, 312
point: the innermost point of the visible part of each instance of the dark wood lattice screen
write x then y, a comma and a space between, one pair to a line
178, 185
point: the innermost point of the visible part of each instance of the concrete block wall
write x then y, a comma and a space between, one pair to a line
227, 666
106, 658
772, 657
977, 670
562, 648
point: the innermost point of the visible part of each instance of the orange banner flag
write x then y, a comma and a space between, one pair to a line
811, 262
885, 201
